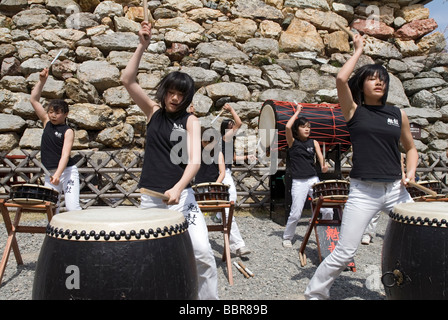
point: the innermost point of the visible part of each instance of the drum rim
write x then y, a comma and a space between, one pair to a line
202, 184
129, 232
425, 216
33, 185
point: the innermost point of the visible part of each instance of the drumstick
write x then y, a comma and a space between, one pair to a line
347, 31
216, 118
145, 11
324, 152
56, 58
241, 269
419, 186
154, 194
245, 269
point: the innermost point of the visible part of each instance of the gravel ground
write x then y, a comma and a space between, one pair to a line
278, 274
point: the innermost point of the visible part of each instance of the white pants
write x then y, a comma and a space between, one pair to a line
236, 240
69, 185
300, 190
197, 229
364, 201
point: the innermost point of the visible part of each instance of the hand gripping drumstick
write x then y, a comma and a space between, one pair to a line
154, 194
347, 31
422, 188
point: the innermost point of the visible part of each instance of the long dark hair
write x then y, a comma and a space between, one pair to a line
301, 121
356, 82
225, 126
179, 81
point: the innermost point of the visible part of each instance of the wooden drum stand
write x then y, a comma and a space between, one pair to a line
13, 227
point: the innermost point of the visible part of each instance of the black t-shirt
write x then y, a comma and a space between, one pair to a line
52, 143
300, 160
166, 153
375, 135
209, 170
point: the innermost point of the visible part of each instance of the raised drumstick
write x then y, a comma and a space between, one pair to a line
145, 11
56, 58
347, 31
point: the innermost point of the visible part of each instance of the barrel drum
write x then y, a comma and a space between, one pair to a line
415, 252
111, 254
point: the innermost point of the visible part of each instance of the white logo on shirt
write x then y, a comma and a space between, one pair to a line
393, 122
178, 127
58, 134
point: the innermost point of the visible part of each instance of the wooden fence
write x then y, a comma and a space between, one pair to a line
110, 178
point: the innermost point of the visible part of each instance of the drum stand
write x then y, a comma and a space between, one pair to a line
224, 227
316, 205
13, 227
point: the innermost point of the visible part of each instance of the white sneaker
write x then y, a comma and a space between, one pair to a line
366, 239
287, 243
242, 251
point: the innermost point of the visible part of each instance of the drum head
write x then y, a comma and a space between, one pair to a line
418, 212
126, 221
266, 124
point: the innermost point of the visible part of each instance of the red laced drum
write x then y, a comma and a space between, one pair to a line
327, 124
211, 193
33, 194
419, 195
109, 254
415, 252
331, 189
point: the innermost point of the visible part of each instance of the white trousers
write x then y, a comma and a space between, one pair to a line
197, 229
69, 185
364, 201
300, 190
236, 240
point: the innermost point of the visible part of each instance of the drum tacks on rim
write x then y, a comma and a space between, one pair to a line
211, 193
33, 194
111, 254
415, 252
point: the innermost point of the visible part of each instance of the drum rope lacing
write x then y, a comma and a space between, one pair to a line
112, 235
419, 220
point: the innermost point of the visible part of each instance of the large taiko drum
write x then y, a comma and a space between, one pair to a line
327, 124
32, 194
211, 193
112, 254
415, 252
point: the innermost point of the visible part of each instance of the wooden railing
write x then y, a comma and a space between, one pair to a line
110, 178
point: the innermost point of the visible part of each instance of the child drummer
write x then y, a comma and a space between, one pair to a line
56, 145
300, 165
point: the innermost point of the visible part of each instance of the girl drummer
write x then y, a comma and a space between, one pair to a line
228, 130
377, 182
56, 145
172, 156
212, 167
300, 164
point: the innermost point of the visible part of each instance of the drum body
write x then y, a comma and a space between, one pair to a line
326, 120
211, 193
331, 189
415, 252
111, 254
433, 185
33, 194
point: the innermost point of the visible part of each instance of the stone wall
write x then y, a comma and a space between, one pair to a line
242, 52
